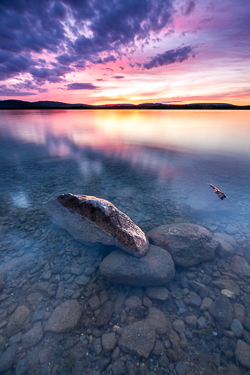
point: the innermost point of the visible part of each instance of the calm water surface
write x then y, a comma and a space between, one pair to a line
153, 165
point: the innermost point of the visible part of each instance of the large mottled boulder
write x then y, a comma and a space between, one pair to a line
188, 244
155, 268
90, 220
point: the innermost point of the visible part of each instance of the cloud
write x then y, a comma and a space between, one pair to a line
118, 77
74, 32
50, 74
11, 64
109, 58
5, 91
171, 56
81, 86
188, 8
172, 101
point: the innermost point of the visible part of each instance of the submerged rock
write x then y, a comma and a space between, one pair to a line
90, 220
138, 338
227, 284
18, 320
155, 268
105, 314
222, 311
227, 244
157, 320
188, 244
242, 353
240, 266
64, 317
7, 358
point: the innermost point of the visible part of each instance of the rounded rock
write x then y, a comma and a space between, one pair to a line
65, 317
188, 244
154, 269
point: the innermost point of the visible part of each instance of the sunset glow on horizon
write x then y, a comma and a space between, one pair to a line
124, 51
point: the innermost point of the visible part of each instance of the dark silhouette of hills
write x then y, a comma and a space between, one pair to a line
20, 104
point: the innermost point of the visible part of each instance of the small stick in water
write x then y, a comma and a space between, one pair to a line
218, 192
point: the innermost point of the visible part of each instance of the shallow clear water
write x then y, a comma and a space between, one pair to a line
153, 165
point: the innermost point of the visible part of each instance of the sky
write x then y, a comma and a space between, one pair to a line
125, 51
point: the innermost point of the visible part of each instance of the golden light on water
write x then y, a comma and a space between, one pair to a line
227, 131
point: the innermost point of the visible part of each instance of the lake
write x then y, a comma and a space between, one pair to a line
155, 166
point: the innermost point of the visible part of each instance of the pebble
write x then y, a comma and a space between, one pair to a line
109, 341
179, 326
242, 353
45, 355
83, 280
22, 367
97, 345
7, 358
194, 299
15, 339
201, 322
64, 317
237, 328
182, 368
118, 367
138, 338
94, 303
157, 320
19, 318
32, 337
191, 320
157, 293
133, 302
105, 314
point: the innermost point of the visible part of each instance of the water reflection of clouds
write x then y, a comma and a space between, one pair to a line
156, 141
66, 148
59, 148
210, 131
20, 199
89, 167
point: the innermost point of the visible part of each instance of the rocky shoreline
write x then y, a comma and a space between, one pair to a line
60, 313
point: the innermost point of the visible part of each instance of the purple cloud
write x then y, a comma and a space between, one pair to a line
81, 86
31, 28
188, 8
12, 64
50, 74
4, 91
109, 58
170, 57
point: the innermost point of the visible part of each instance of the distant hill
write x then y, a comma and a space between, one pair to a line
20, 104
